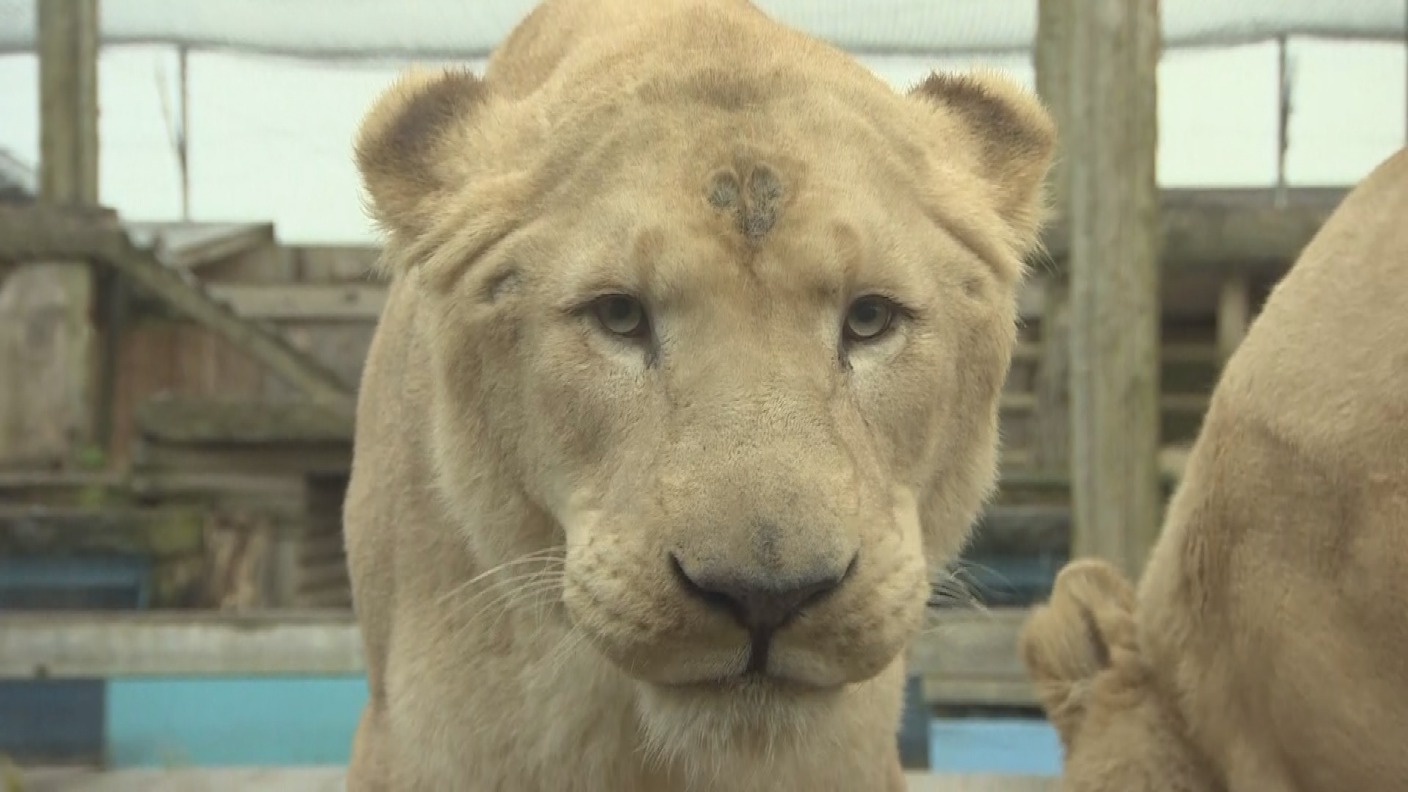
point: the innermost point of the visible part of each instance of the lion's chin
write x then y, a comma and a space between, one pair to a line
735, 714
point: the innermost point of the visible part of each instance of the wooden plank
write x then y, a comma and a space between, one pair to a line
287, 459
239, 561
1022, 529
267, 493
190, 246
943, 691
970, 657
146, 531
961, 644
46, 364
1173, 458
1114, 237
1207, 231
198, 643
336, 263
1167, 402
1234, 311
27, 234
967, 657
1185, 295
174, 419
146, 365
970, 643
341, 347
306, 302
1176, 352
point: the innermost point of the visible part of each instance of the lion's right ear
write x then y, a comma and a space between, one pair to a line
1086, 628
402, 148
1013, 138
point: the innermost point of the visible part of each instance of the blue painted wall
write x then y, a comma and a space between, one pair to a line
310, 720
232, 720
61, 720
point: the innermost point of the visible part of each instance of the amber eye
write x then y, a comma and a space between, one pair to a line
621, 315
869, 318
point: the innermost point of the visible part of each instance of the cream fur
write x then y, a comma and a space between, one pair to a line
523, 477
1267, 648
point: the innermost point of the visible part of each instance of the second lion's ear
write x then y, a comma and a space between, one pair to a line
405, 141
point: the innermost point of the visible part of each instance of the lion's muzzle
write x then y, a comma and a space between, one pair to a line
760, 604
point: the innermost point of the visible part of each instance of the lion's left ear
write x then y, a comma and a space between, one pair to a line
1011, 134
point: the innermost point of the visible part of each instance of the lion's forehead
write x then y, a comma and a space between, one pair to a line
720, 252
749, 201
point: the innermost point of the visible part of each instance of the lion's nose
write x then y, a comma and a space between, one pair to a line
761, 605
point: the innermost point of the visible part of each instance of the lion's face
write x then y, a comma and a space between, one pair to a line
748, 370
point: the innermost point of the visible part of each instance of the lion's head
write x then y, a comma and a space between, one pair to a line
735, 337
1120, 730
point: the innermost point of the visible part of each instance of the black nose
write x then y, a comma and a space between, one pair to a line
761, 606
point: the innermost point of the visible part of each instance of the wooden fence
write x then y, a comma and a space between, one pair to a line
235, 360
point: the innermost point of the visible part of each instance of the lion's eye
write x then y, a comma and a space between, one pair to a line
869, 318
621, 315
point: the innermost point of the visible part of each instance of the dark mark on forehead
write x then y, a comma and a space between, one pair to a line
723, 191
755, 208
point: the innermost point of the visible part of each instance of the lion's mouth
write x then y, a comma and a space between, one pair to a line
750, 682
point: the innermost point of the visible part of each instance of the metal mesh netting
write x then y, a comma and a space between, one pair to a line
470, 28
245, 109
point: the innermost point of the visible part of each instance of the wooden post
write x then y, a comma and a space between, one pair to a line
1053, 375
47, 363
68, 97
1111, 142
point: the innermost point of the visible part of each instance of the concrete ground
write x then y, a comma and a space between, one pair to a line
317, 779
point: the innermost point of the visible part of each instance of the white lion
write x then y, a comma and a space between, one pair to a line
686, 386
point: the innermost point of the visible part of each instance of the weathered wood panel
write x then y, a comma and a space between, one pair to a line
961, 646
173, 643
333, 264
159, 357
46, 363
302, 301
28, 234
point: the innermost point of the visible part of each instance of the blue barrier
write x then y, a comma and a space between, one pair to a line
307, 720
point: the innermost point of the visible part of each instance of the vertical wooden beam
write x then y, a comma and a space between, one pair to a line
68, 98
1111, 144
1053, 375
47, 361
